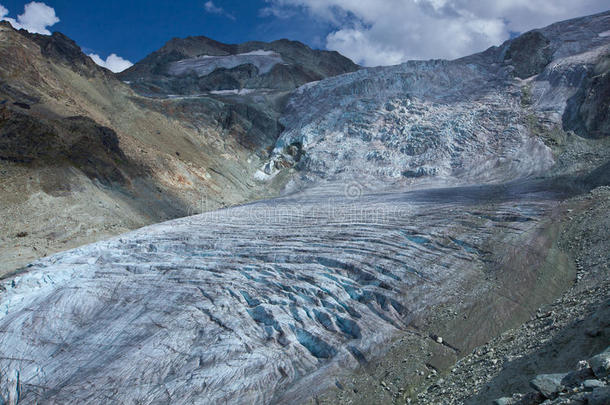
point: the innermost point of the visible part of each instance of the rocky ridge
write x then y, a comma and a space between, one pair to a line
196, 65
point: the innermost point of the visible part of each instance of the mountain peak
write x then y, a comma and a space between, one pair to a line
195, 45
195, 65
56, 47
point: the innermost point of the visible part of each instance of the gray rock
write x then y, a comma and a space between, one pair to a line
575, 378
548, 385
599, 396
577, 399
504, 401
529, 54
586, 111
531, 398
600, 364
593, 332
590, 385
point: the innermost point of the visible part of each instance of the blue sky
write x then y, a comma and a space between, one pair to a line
371, 32
135, 28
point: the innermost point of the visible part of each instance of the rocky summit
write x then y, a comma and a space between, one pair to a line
197, 65
431, 232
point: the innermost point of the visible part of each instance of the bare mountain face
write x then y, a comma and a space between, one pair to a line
412, 189
83, 157
197, 65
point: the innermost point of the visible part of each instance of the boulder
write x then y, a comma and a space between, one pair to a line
575, 378
590, 385
548, 385
599, 396
600, 364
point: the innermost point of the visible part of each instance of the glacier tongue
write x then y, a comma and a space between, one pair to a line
237, 305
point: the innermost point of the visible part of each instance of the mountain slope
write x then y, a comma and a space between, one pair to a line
93, 159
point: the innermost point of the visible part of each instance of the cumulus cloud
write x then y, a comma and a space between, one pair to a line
36, 18
387, 32
113, 62
212, 8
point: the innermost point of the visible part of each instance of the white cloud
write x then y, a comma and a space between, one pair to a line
36, 18
384, 32
354, 42
277, 12
212, 8
113, 62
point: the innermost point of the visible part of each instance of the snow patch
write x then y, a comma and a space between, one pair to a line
259, 52
262, 176
206, 64
306, 86
237, 92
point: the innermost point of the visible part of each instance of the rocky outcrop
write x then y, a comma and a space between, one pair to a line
587, 385
529, 54
600, 364
588, 111
77, 140
61, 49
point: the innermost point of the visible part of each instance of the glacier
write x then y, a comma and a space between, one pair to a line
408, 184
